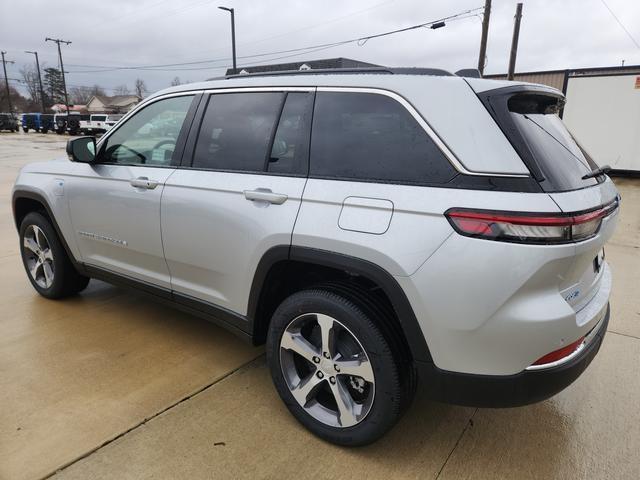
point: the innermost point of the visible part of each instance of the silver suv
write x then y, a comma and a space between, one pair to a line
377, 229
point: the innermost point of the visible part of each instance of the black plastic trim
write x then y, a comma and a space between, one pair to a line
406, 316
498, 391
233, 322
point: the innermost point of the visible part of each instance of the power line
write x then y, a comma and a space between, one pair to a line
621, 24
301, 50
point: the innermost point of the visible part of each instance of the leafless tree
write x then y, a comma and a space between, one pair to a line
97, 90
140, 88
175, 82
30, 81
80, 95
121, 90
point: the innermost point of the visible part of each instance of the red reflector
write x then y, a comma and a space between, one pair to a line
559, 354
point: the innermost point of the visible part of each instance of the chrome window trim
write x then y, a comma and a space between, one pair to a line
455, 162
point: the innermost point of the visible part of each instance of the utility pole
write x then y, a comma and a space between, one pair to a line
39, 81
6, 81
514, 42
64, 83
233, 35
483, 38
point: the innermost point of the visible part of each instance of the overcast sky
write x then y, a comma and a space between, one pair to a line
117, 33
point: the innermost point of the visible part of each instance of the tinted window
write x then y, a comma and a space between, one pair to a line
561, 161
236, 131
149, 137
290, 147
372, 137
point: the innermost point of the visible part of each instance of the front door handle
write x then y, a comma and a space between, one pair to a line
265, 195
144, 182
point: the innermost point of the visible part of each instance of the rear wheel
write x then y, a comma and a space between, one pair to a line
334, 369
45, 260
25, 129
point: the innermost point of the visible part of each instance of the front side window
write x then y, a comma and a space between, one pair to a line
236, 131
372, 137
149, 137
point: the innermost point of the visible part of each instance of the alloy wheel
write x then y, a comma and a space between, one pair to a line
327, 370
38, 255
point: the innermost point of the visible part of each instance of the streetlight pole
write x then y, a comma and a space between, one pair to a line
233, 35
39, 80
64, 83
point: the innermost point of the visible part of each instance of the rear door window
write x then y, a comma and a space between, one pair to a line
236, 131
372, 137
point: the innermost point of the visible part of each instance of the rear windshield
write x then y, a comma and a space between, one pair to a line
533, 126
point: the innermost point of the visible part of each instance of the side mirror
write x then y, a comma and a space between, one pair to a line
82, 149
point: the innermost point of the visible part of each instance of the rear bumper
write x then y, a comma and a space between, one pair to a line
528, 386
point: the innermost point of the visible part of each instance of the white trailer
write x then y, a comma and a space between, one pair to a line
603, 113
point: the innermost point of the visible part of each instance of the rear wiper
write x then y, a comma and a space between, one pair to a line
597, 172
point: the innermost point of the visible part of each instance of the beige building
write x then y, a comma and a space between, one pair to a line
114, 104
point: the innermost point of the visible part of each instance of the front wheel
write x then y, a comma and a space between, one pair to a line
45, 260
25, 129
334, 369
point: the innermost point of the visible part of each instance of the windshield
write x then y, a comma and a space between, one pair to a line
531, 122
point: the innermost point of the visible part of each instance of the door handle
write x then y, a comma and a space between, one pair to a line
265, 195
144, 182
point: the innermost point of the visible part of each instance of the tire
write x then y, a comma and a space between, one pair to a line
55, 277
25, 130
44, 130
376, 400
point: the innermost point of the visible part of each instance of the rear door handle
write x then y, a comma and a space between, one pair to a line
144, 182
265, 195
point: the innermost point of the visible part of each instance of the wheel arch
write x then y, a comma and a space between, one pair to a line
24, 202
280, 266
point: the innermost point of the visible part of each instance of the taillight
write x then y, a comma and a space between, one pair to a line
528, 227
560, 353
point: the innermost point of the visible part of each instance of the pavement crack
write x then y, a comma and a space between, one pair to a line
623, 334
464, 430
155, 415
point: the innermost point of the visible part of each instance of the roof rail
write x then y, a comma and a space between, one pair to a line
333, 71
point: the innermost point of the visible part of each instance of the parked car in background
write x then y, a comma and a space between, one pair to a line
8, 121
98, 123
112, 119
39, 122
378, 229
69, 123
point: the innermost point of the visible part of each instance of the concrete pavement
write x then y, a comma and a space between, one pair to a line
110, 385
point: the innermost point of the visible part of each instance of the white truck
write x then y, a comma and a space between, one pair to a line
99, 123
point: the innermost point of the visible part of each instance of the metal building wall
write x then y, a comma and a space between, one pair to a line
555, 79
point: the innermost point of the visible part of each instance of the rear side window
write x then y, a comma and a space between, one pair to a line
236, 131
372, 137
530, 121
